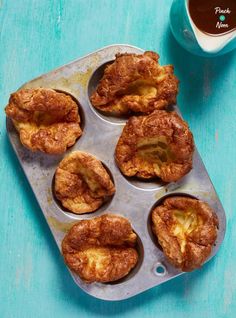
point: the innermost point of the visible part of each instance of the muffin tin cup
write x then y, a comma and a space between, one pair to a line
133, 199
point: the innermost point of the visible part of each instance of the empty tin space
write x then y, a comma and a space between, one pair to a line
144, 184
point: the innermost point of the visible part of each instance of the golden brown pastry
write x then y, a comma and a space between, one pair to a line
135, 83
186, 229
157, 145
82, 184
46, 120
101, 249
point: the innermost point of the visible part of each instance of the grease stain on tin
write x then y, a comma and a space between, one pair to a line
161, 193
60, 226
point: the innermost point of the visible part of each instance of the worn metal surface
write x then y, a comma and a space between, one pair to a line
133, 199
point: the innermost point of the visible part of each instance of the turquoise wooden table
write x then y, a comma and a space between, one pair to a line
37, 36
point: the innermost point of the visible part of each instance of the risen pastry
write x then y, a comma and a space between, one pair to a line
186, 229
135, 83
82, 184
47, 120
101, 249
157, 145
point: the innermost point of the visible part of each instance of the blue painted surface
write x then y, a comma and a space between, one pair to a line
38, 35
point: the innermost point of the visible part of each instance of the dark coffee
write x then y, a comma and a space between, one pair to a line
213, 16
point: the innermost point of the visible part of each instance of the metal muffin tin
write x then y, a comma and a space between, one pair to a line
133, 199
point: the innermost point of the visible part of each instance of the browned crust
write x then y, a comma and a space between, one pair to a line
47, 120
198, 243
82, 184
108, 235
158, 124
111, 95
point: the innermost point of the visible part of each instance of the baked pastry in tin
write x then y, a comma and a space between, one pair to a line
46, 120
82, 184
186, 229
156, 145
135, 83
101, 249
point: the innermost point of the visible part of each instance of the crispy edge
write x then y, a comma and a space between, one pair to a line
199, 243
110, 232
128, 68
101, 176
54, 138
159, 123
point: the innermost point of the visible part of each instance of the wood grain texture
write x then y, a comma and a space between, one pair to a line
38, 35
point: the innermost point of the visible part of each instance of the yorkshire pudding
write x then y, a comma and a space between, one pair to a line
101, 249
82, 184
135, 84
186, 229
46, 120
157, 145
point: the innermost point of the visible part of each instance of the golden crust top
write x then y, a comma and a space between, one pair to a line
156, 145
82, 184
47, 120
186, 229
101, 249
135, 83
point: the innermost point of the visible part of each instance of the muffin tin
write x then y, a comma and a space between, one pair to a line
133, 199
